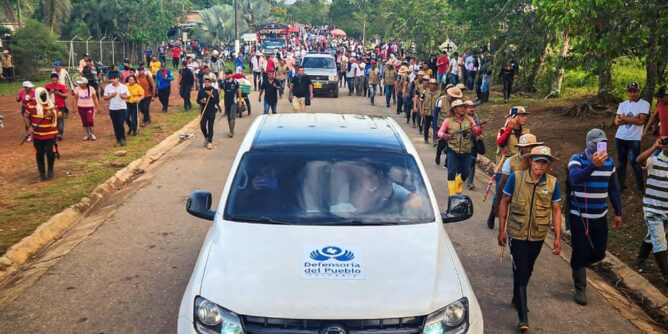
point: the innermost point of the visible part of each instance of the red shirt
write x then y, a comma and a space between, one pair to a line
22, 97
271, 67
176, 52
59, 100
444, 61
662, 111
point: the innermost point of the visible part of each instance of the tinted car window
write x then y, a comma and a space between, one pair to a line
333, 187
319, 62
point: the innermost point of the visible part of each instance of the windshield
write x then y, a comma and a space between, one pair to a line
319, 62
322, 188
273, 43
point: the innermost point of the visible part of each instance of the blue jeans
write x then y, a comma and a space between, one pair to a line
442, 77
267, 105
389, 93
629, 150
118, 118
656, 230
351, 85
458, 163
469, 180
454, 79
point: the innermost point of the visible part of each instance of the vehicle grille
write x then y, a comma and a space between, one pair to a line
262, 325
319, 77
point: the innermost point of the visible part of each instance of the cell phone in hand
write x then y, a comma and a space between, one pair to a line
664, 141
602, 147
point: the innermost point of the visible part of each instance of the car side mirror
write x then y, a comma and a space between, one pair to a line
460, 207
199, 205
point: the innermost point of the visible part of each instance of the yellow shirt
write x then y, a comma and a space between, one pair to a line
135, 93
154, 66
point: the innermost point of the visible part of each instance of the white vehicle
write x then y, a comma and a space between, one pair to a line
328, 225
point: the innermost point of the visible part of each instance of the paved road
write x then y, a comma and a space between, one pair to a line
129, 275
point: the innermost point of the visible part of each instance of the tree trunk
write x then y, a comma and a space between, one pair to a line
651, 59
538, 67
559, 76
605, 95
9, 11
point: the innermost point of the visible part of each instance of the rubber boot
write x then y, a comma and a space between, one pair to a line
523, 324
580, 283
452, 187
643, 254
662, 261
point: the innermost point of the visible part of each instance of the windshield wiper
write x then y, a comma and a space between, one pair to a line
261, 219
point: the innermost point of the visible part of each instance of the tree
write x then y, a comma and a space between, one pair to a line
55, 12
219, 21
312, 12
35, 47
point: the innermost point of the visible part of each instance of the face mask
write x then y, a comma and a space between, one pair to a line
591, 148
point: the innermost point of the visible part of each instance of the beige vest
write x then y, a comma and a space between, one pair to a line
530, 209
460, 142
429, 102
511, 149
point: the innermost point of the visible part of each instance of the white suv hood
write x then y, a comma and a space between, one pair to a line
393, 271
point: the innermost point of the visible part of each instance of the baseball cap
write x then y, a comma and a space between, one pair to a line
28, 84
517, 110
663, 91
633, 86
596, 135
57, 63
82, 81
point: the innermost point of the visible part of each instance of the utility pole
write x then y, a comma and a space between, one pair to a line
236, 30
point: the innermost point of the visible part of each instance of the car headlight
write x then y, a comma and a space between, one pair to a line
332, 78
211, 318
452, 319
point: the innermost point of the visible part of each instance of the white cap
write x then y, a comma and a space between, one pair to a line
28, 84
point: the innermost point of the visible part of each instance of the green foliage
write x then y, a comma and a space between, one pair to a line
312, 12
35, 47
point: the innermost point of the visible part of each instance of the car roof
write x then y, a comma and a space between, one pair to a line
327, 131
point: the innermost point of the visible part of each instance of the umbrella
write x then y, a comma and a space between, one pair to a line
338, 32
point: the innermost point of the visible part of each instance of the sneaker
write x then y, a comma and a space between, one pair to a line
209, 146
92, 137
29, 138
86, 137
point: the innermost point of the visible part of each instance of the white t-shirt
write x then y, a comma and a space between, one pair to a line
454, 65
631, 109
116, 102
469, 64
506, 167
360, 69
353, 70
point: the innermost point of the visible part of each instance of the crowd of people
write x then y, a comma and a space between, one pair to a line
430, 92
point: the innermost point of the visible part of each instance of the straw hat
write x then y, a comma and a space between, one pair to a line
454, 92
433, 81
82, 81
456, 103
540, 152
528, 140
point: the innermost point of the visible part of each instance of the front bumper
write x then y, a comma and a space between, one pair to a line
325, 87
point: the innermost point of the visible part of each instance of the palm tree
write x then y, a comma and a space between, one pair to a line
56, 12
219, 22
21, 6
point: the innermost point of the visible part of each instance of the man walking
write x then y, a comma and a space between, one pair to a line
506, 147
655, 206
374, 81
41, 122
186, 84
165, 78
232, 94
270, 89
208, 99
442, 64
301, 88
389, 76
257, 69
507, 75
592, 182
630, 117
428, 101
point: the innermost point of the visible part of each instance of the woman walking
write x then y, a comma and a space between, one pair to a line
117, 93
85, 98
530, 202
136, 95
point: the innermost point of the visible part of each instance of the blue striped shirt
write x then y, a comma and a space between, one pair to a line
591, 187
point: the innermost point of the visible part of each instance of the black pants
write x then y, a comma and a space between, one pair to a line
132, 119
524, 255
44, 148
416, 117
256, 79
400, 101
184, 91
175, 62
583, 253
163, 96
442, 147
426, 125
144, 108
118, 118
478, 84
206, 125
60, 123
507, 87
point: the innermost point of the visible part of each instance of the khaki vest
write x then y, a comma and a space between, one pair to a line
511, 149
429, 102
389, 76
515, 162
461, 134
530, 209
445, 110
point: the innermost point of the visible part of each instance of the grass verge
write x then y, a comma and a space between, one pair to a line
30, 208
